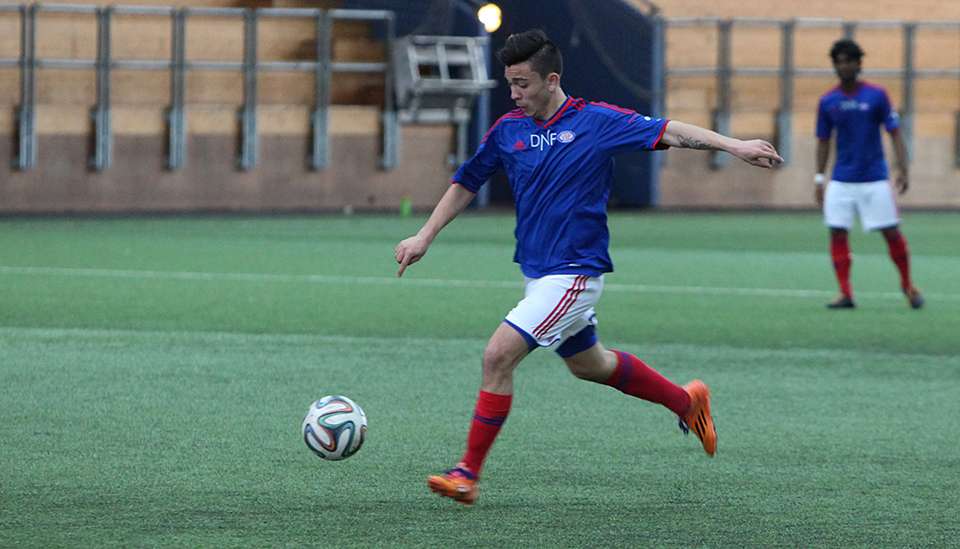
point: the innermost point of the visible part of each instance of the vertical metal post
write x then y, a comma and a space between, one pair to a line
658, 83
176, 119
391, 130
956, 141
784, 130
441, 53
101, 114
481, 114
721, 116
248, 114
26, 113
906, 112
658, 79
321, 92
460, 156
849, 30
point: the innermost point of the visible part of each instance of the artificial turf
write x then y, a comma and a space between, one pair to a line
155, 372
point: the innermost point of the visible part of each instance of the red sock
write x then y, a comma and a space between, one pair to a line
635, 378
900, 254
840, 252
491, 411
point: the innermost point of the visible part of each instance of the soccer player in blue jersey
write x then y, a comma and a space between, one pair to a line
855, 110
557, 152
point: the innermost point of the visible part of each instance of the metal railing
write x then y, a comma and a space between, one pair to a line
178, 65
787, 71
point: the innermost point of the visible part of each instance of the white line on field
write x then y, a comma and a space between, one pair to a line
393, 343
234, 337
428, 282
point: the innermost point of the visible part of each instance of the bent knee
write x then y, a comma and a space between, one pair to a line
498, 359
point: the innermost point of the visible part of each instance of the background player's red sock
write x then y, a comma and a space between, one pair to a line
491, 411
840, 252
900, 254
635, 378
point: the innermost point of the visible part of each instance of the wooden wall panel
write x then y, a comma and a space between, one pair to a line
849, 9
138, 182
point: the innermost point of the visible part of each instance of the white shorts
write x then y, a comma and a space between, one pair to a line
555, 308
873, 201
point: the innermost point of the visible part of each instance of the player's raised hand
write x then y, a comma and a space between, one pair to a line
409, 251
758, 152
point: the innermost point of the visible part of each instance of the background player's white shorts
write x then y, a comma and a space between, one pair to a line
873, 201
556, 307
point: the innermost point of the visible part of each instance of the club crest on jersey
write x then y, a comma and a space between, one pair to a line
539, 142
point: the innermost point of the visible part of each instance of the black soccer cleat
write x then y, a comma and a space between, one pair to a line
842, 302
914, 297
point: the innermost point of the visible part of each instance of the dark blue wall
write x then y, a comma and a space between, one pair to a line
610, 55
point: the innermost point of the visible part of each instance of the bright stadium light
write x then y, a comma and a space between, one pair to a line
491, 16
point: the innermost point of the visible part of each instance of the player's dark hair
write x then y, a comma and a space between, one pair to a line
846, 47
533, 46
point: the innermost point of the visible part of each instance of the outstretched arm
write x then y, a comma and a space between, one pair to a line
410, 250
903, 161
687, 136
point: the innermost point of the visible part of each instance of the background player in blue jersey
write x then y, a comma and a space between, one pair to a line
855, 110
557, 152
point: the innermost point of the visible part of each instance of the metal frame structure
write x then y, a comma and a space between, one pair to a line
179, 66
459, 75
788, 72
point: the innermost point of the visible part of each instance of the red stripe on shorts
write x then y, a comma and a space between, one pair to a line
569, 298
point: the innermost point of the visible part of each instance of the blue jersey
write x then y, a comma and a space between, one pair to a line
857, 117
561, 172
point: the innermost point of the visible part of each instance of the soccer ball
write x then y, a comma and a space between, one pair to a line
335, 427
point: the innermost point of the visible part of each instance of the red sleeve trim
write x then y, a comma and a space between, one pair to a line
657, 145
516, 113
620, 110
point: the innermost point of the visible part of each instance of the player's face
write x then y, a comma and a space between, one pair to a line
847, 67
527, 89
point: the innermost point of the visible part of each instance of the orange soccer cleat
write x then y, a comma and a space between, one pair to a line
458, 484
698, 417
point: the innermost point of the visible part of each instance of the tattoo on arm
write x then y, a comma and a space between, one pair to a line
692, 143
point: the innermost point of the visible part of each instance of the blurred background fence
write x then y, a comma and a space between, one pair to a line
297, 105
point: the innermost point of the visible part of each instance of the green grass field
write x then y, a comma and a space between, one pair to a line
155, 372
